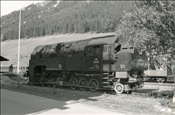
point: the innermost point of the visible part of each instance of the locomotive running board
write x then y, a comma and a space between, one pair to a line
104, 75
53, 69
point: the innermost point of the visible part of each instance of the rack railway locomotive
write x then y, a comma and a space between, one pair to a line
104, 62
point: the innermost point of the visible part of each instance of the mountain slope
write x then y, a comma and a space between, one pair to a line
9, 48
56, 17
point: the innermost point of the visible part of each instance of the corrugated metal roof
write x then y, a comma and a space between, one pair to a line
103, 40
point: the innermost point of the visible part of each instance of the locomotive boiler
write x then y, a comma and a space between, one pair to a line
104, 62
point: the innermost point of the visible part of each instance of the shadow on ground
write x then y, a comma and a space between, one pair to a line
62, 96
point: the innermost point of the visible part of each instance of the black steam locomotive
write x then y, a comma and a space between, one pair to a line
104, 62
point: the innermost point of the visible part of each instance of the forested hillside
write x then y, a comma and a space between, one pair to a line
55, 17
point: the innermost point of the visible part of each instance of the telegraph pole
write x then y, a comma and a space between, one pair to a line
19, 37
173, 72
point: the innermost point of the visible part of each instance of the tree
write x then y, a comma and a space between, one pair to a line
151, 27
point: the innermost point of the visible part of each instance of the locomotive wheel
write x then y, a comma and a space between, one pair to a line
73, 82
82, 82
49, 80
93, 84
119, 88
59, 82
42, 81
161, 80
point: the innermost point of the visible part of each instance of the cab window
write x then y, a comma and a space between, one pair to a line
97, 50
90, 50
118, 48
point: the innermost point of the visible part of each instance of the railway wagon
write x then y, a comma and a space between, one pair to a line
6, 68
158, 74
104, 62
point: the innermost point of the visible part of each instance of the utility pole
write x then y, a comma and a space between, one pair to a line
173, 72
19, 37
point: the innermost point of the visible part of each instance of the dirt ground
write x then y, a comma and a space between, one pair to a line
133, 104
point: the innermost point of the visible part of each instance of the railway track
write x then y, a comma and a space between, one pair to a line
160, 84
147, 88
150, 87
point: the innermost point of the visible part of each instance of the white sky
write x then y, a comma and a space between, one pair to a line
10, 6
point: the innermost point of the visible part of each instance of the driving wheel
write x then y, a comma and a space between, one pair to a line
73, 82
93, 84
59, 82
83, 83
